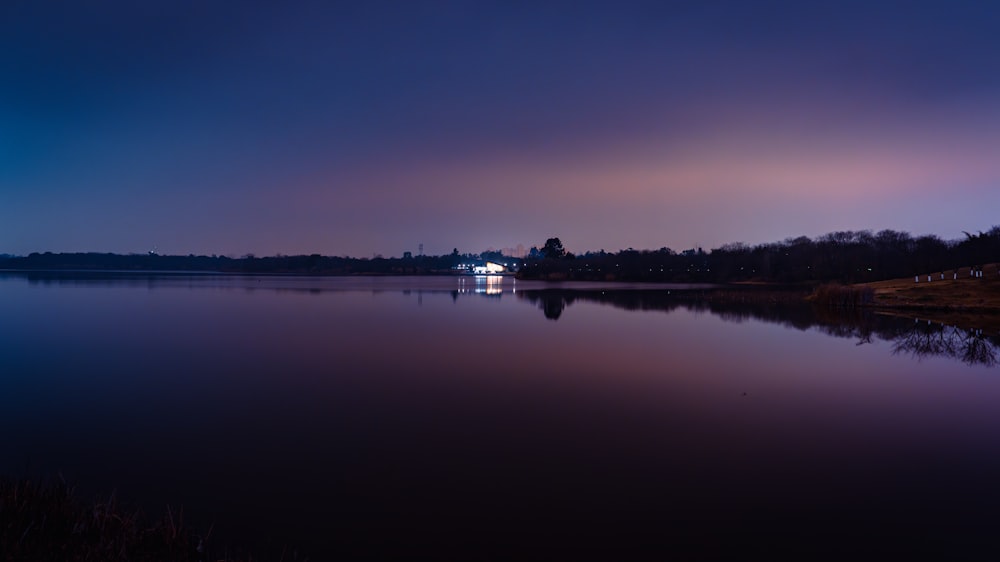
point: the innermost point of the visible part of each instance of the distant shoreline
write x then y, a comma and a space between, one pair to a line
206, 272
960, 298
851, 257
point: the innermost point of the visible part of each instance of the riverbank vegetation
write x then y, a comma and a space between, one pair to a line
843, 296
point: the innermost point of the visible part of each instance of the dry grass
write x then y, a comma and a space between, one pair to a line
842, 296
964, 293
46, 521
966, 301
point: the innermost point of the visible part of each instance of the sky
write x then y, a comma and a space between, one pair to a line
356, 128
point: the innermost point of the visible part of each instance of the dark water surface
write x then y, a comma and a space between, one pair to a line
470, 419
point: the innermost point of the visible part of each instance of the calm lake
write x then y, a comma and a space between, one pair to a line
479, 418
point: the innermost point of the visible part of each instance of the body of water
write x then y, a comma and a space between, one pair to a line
479, 418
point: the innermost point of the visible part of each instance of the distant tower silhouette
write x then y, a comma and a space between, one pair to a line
421, 252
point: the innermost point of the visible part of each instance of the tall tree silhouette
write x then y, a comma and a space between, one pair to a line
553, 249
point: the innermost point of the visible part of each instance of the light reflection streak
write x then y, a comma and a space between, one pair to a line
491, 285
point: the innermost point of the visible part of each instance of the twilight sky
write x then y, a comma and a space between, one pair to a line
362, 127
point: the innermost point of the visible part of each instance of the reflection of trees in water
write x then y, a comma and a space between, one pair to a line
918, 339
553, 307
553, 302
931, 340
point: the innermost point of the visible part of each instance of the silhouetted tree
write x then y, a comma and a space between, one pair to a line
553, 249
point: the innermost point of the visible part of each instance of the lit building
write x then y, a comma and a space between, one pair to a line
489, 268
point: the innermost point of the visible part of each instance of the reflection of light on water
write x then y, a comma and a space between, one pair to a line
489, 284
484, 285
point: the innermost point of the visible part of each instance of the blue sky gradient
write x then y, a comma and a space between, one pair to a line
371, 127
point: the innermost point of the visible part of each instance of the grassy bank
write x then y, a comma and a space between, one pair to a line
959, 299
951, 297
957, 291
951, 290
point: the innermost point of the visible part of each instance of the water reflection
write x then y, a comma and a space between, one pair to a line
916, 338
973, 347
490, 285
389, 418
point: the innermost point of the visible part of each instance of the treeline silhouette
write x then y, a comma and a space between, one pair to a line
847, 257
314, 264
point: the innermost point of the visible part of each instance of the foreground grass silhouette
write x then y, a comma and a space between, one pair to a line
46, 521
